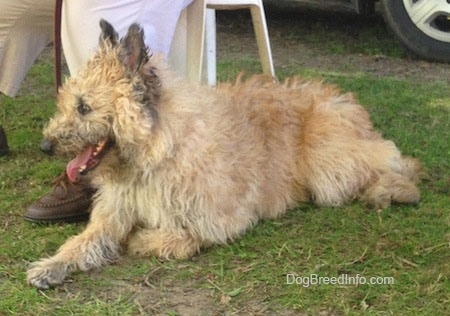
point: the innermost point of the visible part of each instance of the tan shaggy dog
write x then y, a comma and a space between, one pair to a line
181, 166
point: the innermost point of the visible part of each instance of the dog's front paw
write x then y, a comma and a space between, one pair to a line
46, 273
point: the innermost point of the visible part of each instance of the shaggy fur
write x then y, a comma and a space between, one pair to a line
188, 166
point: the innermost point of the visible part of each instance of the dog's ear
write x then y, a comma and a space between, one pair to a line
133, 52
108, 34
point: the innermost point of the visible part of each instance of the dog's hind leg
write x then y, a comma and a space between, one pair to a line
391, 187
97, 246
166, 244
396, 183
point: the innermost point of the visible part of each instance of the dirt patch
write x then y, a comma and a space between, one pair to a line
301, 36
160, 292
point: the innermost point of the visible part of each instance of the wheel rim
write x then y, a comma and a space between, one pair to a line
432, 17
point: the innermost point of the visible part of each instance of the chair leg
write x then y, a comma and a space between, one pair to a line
186, 52
262, 40
178, 62
195, 40
209, 65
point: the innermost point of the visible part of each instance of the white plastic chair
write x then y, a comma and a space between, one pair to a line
196, 37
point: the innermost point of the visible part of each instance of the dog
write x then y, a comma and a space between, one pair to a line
180, 166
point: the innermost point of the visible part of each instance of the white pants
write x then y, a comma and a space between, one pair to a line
26, 27
80, 24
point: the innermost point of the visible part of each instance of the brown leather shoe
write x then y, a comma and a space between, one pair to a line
69, 202
4, 149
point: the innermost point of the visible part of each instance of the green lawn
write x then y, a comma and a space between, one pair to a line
409, 245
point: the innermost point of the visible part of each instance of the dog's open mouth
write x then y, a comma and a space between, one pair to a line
87, 160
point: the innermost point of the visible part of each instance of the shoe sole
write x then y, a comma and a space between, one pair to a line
66, 219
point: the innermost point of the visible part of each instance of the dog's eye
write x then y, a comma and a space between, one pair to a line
83, 108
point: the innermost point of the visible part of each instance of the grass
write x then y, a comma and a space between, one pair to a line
407, 243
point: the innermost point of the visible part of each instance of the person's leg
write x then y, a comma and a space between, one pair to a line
80, 24
26, 28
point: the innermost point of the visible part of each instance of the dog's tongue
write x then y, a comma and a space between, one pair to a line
74, 165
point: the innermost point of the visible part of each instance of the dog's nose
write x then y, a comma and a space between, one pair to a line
47, 147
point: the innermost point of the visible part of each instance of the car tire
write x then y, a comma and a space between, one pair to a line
430, 39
